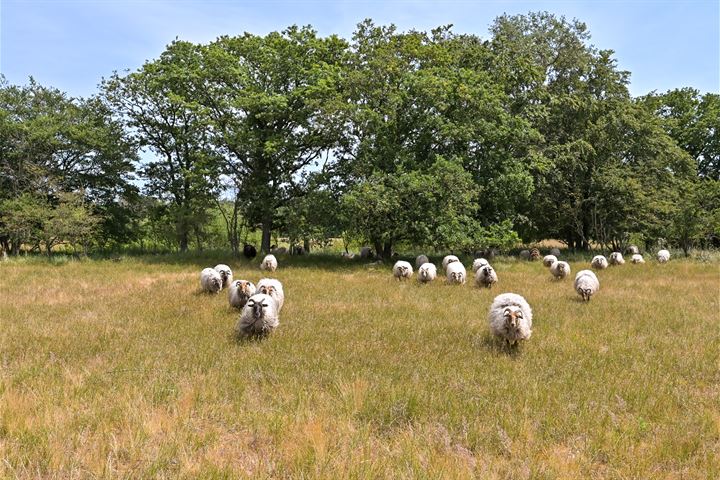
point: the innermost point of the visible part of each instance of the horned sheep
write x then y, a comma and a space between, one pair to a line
225, 273
427, 273
586, 284
599, 262
560, 270
486, 276
455, 273
510, 318
259, 316
210, 280
273, 288
402, 270
239, 293
478, 263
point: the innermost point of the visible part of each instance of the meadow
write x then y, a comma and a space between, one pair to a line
123, 369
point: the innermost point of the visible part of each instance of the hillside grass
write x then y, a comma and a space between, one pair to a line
125, 370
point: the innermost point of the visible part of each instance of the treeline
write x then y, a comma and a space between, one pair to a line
427, 139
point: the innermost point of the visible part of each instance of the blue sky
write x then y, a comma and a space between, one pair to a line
72, 44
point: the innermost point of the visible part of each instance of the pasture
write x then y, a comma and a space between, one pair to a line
124, 370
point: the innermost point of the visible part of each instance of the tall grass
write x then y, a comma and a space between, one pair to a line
123, 369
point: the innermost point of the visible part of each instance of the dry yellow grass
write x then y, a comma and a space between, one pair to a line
124, 370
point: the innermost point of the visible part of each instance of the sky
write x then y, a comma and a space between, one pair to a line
72, 44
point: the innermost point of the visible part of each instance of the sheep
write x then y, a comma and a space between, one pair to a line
637, 258
269, 263
525, 254
421, 260
259, 316
366, 252
486, 276
534, 254
548, 260
599, 262
560, 270
510, 318
456, 273
478, 263
239, 292
273, 288
632, 250
449, 259
663, 256
402, 270
249, 251
347, 255
555, 251
616, 258
427, 272
225, 273
210, 280
586, 284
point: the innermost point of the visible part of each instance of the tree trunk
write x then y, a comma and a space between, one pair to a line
184, 241
378, 248
266, 234
387, 250
306, 246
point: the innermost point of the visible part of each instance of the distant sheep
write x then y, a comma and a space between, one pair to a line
427, 273
560, 270
534, 254
663, 256
421, 260
510, 318
347, 255
269, 263
210, 280
586, 284
279, 251
249, 251
616, 258
548, 260
637, 258
449, 259
225, 273
402, 270
486, 276
632, 250
456, 273
239, 293
525, 254
555, 251
273, 288
479, 263
366, 252
259, 316
599, 262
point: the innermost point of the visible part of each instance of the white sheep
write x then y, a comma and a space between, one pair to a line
273, 288
632, 250
456, 273
637, 258
269, 263
449, 259
210, 280
421, 260
555, 251
510, 318
548, 260
239, 293
560, 269
616, 258
402, 270
486, 276
225, 273
663, 256
259, 316
586, 284
427, 272
478, 263
599, 262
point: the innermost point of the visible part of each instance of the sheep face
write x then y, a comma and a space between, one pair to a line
457, 277
513, 316
585, 293
259, 316
488, 273
216, 284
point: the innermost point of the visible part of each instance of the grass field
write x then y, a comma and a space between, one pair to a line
124, 370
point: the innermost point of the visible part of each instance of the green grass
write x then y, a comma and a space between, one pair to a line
123, 369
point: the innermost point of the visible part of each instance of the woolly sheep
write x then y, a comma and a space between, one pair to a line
599, 262
210, 280
525, 254
555, 251
456, 273
269, 263
637, 258
402, 270
510, 318
249, 251
663, 256
239, 292
427, 273
479, 263
632, 250
486, 276
347, 255
273, 288
421, 260
548, 260
586, 284
560, 269
225, 273
365, 252
616, 258
259, 316
449, 259
534, 254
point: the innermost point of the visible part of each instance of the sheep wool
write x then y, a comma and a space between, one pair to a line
599, 262
637, 258
525, 254
402, 270
555, 251
586, 284
269, 263
259, 316
456, 273
632, 250
478, 263
560, 270
534, 254
663, 256
427, 273
274, 288
548, 260
239, 293
421, 260
510, 318
486, 276
210, 280
225, 273
449, 259
616, 258
366, 252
